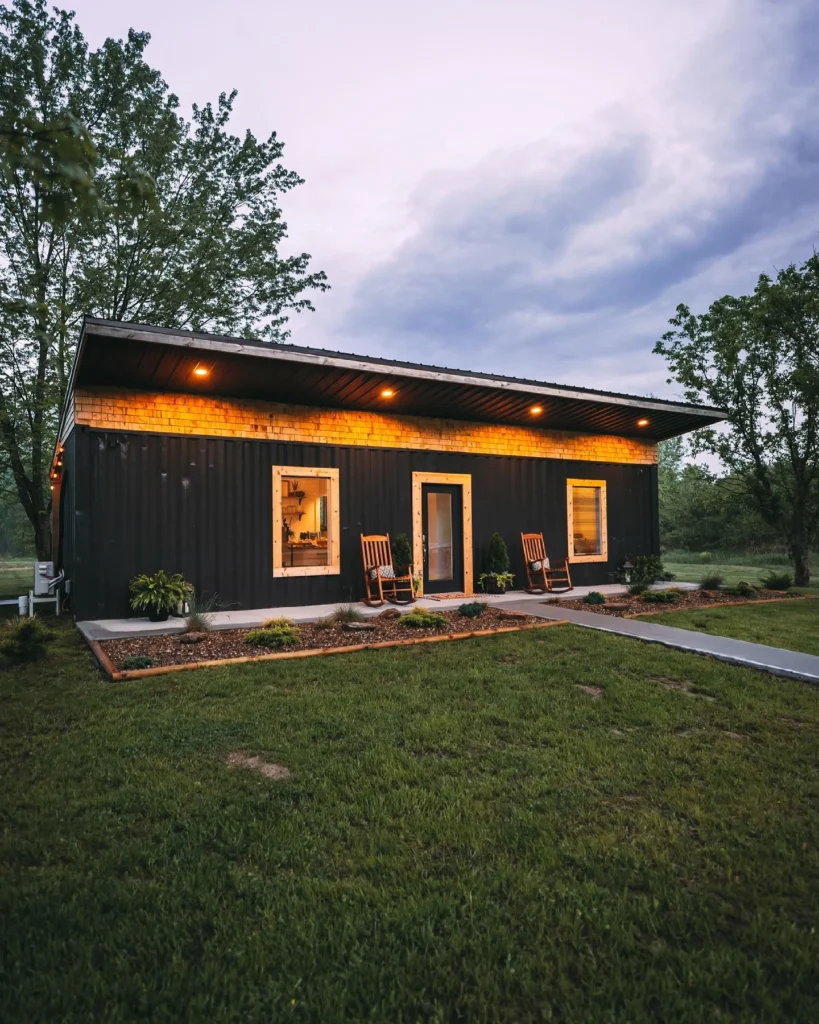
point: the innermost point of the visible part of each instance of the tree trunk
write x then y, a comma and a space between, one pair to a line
800, 556
42, 537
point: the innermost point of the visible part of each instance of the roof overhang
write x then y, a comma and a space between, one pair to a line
135, 356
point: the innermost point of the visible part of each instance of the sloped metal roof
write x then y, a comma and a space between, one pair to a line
148, 358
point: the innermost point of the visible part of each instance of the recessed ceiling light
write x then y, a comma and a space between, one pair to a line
642, 423
387, 393
536, 410
200, 371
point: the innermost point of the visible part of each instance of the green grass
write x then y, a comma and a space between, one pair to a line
465, 835
755, 559
793, 625
733, 566
16, 576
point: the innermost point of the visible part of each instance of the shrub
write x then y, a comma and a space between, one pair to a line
420, 618
25, 640
274, 633
347, 613
199, 618
741, 589
637, 588
401, 554
649, 569
472, 609
197, 622
704, 557
646, 569
137, 661
661, 596
777, 581
594, 597
497, 557
711, 582
159, 593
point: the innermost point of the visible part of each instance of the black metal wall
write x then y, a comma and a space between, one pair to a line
202, 507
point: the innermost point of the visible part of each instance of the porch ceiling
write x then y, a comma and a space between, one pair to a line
134, 356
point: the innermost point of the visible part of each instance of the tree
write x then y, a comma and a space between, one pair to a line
178, 223
757, 357
702, 511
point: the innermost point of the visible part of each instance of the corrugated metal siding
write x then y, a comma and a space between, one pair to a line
203, 507
64, 542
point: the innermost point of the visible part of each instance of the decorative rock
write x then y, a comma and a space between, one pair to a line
512, 615
389, 613
192, 638
358, 627
615, 607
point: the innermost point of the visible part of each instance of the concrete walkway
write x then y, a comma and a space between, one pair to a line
775, 660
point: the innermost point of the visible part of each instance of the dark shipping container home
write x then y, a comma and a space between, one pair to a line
254, 469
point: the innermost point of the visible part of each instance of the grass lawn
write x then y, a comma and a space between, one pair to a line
16, 576
733, 567
793, 625
465, 835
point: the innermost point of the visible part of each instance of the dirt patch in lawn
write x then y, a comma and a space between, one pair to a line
595, 692
681, 686
257, 764
629, 605
230, 643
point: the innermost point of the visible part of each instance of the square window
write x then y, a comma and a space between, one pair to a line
305, 521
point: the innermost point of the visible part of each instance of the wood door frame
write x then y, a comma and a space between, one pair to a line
464, 481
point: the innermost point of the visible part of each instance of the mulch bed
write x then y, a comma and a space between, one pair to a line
627, 605
229, 643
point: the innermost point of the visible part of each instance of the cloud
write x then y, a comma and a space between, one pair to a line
564, 259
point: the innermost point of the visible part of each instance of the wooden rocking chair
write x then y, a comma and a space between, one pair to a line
540, 575
380, 579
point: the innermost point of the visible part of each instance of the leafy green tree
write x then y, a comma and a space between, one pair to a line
757, 357
113, 203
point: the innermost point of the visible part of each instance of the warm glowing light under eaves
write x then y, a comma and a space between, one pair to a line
387, 393
642, 423
536, 410
201, 371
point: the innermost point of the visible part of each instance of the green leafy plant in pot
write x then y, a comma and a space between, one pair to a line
159, 594
401, 554
497, 577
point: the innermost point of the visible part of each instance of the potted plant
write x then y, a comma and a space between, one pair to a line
401, 554
497, 577
158, 594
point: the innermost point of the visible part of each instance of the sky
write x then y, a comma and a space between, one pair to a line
521, 187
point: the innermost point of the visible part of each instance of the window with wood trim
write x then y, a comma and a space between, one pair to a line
587, 520
305, 521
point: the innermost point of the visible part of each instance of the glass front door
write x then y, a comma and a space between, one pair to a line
443, 538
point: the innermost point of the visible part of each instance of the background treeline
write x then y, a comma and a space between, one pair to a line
703, 511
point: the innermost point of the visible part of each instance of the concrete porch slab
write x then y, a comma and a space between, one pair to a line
120, 629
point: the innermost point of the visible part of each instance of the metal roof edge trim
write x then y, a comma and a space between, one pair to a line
353, 362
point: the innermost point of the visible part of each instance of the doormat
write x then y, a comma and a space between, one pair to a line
450, 597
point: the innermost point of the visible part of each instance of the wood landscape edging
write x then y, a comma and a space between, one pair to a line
116, 675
